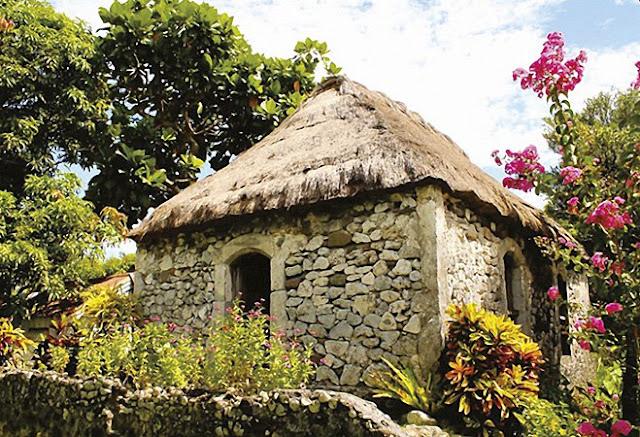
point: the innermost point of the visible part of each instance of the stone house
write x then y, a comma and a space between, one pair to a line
358, 223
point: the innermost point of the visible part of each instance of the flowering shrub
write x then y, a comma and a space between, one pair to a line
238, 353
242, 354
493, 368
148, 356
12, 341
594, 194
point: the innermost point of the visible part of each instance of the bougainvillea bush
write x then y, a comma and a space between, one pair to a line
493, 369
594, 192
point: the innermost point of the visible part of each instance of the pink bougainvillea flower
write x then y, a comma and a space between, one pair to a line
636, 83
584, 344
599, 261
553, 293
591, 390
613, 307
597, 324
621, 427
586, 428
617, 267
548, 73
570, 175
599, 404
606, 214
573, 205
579, 324
523, 169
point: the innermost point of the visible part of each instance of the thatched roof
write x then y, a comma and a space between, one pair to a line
343, 140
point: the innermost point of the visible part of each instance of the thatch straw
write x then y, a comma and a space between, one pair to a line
343, 140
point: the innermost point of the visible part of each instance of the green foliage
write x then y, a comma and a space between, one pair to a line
94, 269
45, 237
102, 307
186, 88
150, 356
242, 355
12, 341
542, 418
236, 354
493, 369
52, 98
401, 383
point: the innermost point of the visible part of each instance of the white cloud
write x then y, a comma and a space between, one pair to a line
450, 61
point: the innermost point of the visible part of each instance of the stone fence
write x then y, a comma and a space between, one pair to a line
47, 404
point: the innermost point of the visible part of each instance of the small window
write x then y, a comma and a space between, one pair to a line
515, 297
251, 280
564, 317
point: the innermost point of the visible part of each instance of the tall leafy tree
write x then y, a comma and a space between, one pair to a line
48, 237
52, 98
186, 88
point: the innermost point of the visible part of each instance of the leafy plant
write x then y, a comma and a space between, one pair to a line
154, 355
104, 306
402, 383
493, 369
238, 354
243, 354
542, 418
12, 341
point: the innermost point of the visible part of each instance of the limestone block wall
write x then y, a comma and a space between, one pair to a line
476, 270
347, 279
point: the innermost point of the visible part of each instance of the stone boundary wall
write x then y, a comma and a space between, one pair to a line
48, 404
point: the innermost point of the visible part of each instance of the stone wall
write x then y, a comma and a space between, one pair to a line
345, 279
50, 405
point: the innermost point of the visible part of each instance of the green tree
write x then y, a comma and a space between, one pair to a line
186, 88
46, 238
52, 98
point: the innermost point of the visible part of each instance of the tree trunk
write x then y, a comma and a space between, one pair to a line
630, 392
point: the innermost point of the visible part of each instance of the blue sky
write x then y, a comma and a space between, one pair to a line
448, 60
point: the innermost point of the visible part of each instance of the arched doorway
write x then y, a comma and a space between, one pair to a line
251, 280
516, 298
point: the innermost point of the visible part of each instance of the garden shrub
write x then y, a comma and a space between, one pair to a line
12, 341
491, 369
237, 353
152, 355
243, 354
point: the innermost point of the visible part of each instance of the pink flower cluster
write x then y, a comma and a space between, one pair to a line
594, 323
606, 214
524, 166
620, 428
549, 73
553, 293
636, 83
599, 261
573, 205
570, 175
613, 307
